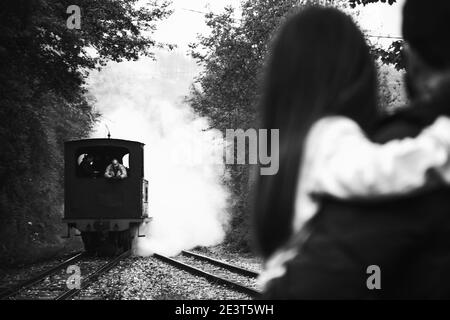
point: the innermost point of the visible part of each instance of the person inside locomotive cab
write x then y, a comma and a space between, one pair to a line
115, 170
87, 165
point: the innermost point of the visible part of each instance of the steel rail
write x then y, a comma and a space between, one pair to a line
209, 276
93, 277
9, 292
223, 264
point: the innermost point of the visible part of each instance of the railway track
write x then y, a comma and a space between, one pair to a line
51, 284
216, 271
226, 265
70, 293
25, 284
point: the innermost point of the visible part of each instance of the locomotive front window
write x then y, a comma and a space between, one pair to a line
102, 162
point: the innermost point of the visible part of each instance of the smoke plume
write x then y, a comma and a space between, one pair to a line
141, 101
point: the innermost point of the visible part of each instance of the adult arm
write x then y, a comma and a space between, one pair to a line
123, 172
109, 172
346, 164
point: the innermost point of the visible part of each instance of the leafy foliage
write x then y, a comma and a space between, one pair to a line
391, 56
354, 3
232, 57
43, 102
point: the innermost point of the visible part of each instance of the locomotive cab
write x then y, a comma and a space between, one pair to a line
107, 212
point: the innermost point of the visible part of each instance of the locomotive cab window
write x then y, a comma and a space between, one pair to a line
103, 162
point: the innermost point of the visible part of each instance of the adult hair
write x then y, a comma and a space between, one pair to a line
320, 65
425, 26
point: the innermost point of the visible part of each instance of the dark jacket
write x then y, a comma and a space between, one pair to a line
408, 237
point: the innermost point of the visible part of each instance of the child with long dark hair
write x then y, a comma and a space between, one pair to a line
321, 93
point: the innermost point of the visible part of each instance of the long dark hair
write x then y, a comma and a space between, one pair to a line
320, 65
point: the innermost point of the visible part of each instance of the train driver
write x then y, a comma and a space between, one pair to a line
115, 170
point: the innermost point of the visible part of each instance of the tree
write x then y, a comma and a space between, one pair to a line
43, 101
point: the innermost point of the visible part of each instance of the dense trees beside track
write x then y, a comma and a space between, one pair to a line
43, 102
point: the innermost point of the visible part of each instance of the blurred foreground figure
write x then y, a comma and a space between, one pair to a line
340, 204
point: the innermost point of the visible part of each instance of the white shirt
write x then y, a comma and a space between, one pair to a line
341, 161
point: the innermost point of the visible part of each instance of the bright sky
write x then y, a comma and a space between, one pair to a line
184, 24
187, 21
382, 19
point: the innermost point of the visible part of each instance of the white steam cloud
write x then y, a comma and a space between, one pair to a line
141, 101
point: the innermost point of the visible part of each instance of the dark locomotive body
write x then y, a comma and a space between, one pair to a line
107, 212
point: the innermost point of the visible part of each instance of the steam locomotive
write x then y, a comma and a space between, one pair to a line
107, 213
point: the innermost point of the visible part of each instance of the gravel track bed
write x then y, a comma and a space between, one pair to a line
148, 278
56, 284
219, 271
138, 278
